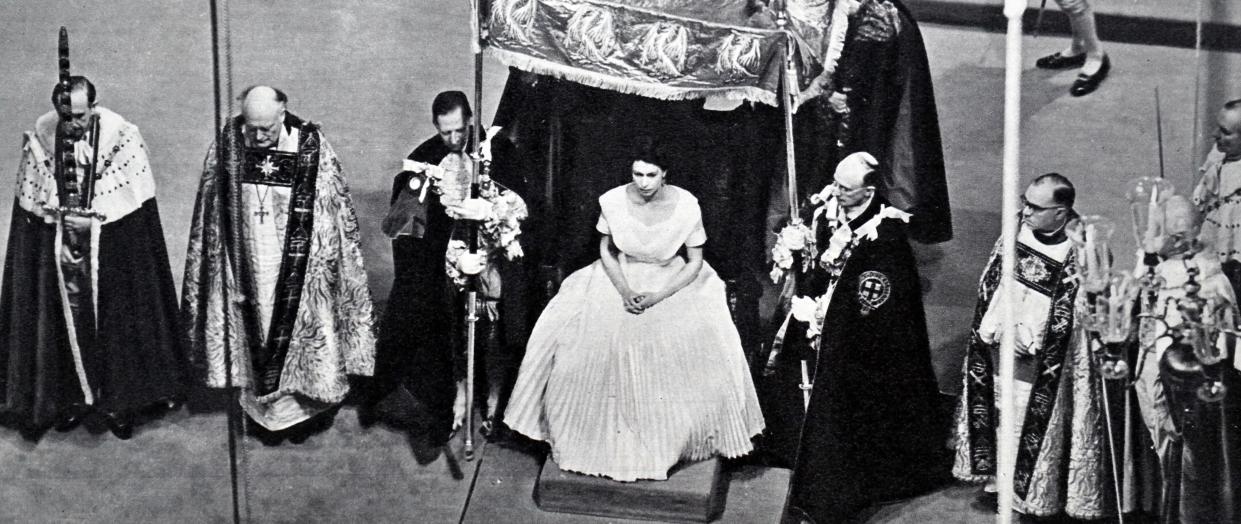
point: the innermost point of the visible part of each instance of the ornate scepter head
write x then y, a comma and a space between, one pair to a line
63, 65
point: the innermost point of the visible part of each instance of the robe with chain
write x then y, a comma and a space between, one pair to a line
88, 314
874, 429
274, 277
1060, 462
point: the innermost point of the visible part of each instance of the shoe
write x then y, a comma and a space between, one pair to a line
367, 416
1086, 84
1059, 61
71, 419
121, 427
299, 436
264, 436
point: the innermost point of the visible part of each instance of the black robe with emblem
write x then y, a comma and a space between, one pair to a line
875, 430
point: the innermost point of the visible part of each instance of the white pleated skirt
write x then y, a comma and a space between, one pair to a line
629, 396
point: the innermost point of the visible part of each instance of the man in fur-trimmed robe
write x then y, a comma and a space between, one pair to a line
874, 428
88, 314
275, 237
1059, 458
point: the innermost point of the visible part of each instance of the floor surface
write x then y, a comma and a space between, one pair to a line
367, 71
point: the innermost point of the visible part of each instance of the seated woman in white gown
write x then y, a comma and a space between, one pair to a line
635, 365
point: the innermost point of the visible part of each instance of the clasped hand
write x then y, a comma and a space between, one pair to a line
636, 303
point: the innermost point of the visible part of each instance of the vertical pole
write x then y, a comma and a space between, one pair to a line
789, 81
222, 73
1013, 10
471, 313
1193, 150
1159, 131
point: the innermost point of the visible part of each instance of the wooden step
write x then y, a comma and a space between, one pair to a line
692, 493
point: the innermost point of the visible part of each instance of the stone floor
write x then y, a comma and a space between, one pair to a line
367, 70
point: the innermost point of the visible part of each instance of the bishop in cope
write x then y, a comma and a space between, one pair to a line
274, 279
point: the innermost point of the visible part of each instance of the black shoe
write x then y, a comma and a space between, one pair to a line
264, 436
299, 436
1059, 61
71, 419
120, 426
1086, 84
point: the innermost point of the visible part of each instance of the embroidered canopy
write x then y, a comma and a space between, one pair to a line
669, 49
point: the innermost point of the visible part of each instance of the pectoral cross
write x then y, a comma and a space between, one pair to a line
261, 213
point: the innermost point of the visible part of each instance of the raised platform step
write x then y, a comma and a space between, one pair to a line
692, 493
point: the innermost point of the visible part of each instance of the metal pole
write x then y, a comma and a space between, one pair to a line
1013, 9
471, 300
1159, 131
790, 86
1193, 150
223, 109
1105, 405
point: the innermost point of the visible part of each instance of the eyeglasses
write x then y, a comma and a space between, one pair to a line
1037, 208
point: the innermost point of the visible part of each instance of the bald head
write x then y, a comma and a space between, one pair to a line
262, 108
1228, 130
1181, 216
1181, 223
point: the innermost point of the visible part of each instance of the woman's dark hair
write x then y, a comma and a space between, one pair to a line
651, 151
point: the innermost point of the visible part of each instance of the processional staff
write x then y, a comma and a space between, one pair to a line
479, 165
789, 87
226, 147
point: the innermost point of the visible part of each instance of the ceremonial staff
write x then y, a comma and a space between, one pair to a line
471, 297
64, 144
225, 146
75, 196
1038, 22
789, 85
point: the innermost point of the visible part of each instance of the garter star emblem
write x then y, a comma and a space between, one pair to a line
873, 290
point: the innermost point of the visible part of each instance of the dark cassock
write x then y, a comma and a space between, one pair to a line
1060, 462
88, 315
422, 334
884, 80
874, 429
275, 237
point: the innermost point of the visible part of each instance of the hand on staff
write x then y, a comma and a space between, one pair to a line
839, 102
633, 302
470, 209
472, 263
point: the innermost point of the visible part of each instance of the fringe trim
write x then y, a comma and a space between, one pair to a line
78, 367
630, 87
